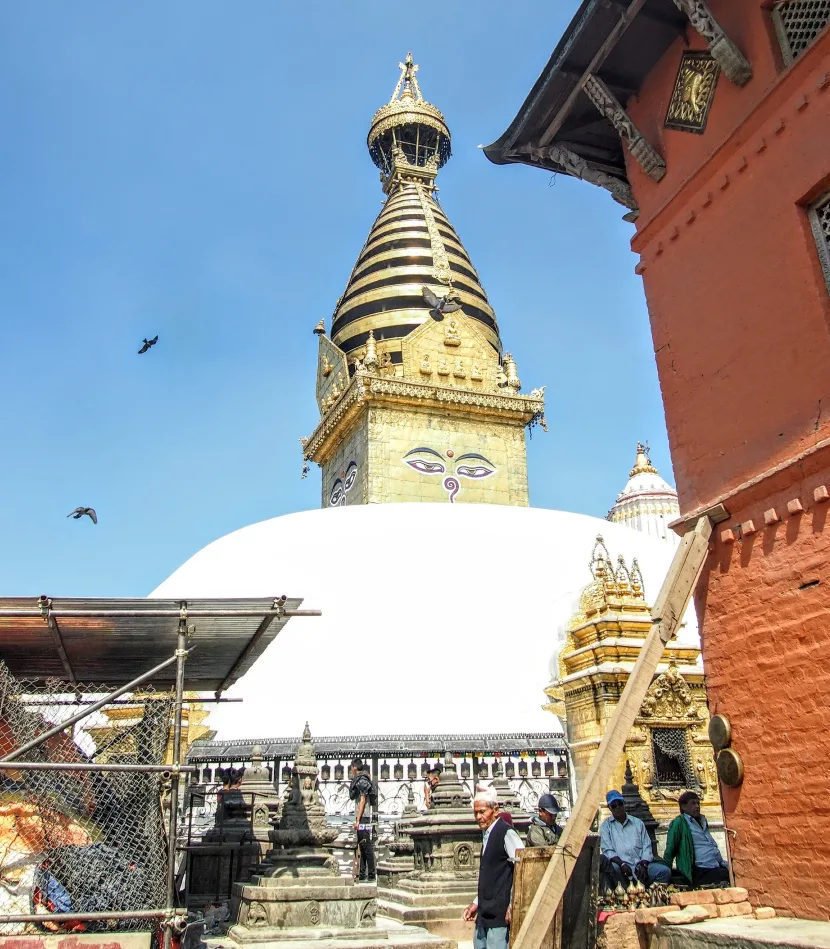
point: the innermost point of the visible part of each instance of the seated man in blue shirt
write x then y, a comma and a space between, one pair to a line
690, 843
626, 847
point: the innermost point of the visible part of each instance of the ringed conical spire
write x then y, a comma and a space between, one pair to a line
412, 244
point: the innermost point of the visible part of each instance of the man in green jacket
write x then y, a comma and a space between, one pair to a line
690, 843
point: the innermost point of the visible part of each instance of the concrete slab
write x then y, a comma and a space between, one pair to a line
745, 932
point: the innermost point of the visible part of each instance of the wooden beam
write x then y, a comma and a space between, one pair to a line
626, 19
667, 613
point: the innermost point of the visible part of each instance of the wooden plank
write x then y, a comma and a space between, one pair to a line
598, 59
528, 874
671, 605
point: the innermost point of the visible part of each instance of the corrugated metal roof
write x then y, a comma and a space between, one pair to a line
93, 640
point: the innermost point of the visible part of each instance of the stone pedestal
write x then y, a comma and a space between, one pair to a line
297, 896
447, 844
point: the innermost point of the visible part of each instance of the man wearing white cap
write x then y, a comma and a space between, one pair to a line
491, 908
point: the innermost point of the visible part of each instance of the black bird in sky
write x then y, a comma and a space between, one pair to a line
147, 344
80, 511
439, 306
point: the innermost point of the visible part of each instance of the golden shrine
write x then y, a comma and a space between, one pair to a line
117, 737
668, 749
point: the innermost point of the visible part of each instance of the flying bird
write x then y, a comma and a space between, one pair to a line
147, 344
80, 511
440, 305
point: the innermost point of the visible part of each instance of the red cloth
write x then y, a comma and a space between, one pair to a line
506, 817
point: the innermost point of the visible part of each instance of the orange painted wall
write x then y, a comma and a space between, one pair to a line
740, 317
740, 313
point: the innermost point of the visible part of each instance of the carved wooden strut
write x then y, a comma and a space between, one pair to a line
732, 61
607, 104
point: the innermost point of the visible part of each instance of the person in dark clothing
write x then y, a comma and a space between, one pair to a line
491, 908
433, 776
362, 792
543, 830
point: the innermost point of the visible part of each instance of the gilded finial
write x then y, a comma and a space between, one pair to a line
643, 463
320, 328
306, 733
511, 372
370, 360
407, 86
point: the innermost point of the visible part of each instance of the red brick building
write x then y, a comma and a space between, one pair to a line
710, 122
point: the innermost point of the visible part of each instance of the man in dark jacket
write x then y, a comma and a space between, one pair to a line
501, 843
361, 791
543, 830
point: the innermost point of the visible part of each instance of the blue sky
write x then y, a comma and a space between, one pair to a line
199, 170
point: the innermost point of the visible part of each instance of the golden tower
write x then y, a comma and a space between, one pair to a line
417, 400
668, 747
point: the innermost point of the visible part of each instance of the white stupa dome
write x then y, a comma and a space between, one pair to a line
648, 503
437, 618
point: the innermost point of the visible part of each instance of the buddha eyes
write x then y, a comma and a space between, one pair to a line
351, 474
427, 467
336, 495
479, 471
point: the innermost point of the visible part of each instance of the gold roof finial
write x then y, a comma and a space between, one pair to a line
407, 80
643, 463
370, 360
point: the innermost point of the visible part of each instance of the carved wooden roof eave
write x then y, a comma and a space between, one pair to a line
632, 35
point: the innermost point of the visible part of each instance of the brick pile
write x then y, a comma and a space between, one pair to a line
695, 906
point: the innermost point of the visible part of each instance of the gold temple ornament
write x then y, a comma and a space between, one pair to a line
694, 92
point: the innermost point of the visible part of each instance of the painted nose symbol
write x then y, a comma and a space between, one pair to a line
452, 487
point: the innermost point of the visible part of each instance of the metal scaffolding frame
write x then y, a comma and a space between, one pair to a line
221, 670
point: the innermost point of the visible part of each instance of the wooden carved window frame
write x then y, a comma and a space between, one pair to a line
782, 32
819, 215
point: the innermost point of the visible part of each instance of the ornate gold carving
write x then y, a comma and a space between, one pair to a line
475, 372
443, 367
459, 371
451, 337
440, 263
426, 367
694, 92
669, 698
325, 366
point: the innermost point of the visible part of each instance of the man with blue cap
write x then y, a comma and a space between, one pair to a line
626, 847
543, 830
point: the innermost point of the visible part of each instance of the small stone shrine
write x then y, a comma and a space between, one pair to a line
509, 800
297, 895
447, 844
401, 859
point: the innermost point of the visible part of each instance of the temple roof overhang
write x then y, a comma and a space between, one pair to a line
617, 41
347, 746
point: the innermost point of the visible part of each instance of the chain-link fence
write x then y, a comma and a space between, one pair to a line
74, 840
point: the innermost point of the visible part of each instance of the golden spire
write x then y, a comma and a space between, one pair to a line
412, 243
643, 463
